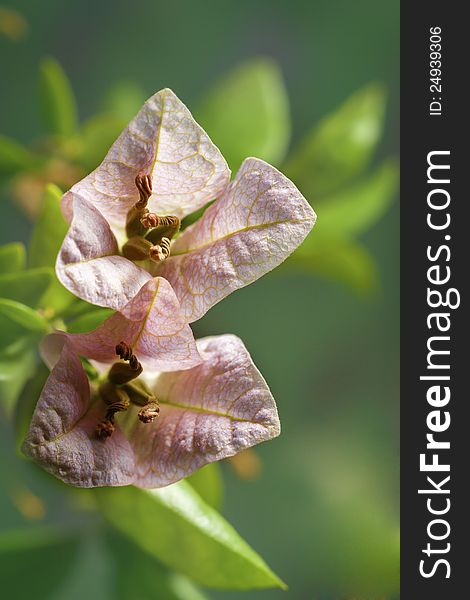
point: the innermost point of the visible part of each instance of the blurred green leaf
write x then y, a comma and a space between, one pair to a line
9, 331
89, 321
139, 575
354, 210
175, 525
27, 402
56, 297
14, 157
12, 257
345, 261
46, 240
23, 315
247, 113
17, 365
44, 554
340, 147
49, 230
26, 286
99, 133
57, 99
124, 100
208, 484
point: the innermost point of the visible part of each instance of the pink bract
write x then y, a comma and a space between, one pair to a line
255, 223
209, 412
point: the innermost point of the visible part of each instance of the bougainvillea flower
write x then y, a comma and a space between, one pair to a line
150, 428
125, 216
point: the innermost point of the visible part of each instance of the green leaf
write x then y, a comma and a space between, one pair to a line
176, 526
124, 100
15, 369
89, 321
98, 134
208, 484
140, 575
14, 157
56, 298
34, 561
26, 286
247, 113
49, 231
345, 261
57, 99
23, 315
27, 402
354, 210
340, 147
12, 257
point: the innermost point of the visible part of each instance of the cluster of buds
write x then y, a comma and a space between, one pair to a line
149, 235
123, 388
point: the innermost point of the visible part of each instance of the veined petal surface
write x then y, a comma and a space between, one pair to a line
256, 224
164, 141
89, 264
152, 324
207, 413
62, 437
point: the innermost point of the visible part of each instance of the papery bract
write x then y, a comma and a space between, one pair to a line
259, 220
209, 412
254, 224
89, 264
164, 141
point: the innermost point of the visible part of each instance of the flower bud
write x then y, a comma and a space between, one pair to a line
149, 412
137, 248
139, 393
114, 396
122, 372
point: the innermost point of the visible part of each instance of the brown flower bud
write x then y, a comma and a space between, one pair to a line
139, 393
160, 251
137, 248
121, 373
149, 412
104, 429
115, 397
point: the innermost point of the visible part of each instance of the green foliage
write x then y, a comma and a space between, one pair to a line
340, 147
26, 286
355, 209
27, 401
345, 261
124, 100
209, 485
89, 320
329, 167
247, 113
57, 100
140, 575
33, 562
23, 315
49, 230
176, 526
98, 134
17, 365
12, 258
14, 157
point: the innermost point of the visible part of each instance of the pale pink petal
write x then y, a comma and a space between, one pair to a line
62, 437
88, 263
50, 348
261, 219
164, 141
207, 413
152, 324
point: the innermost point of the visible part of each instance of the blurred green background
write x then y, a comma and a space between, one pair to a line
320, 503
